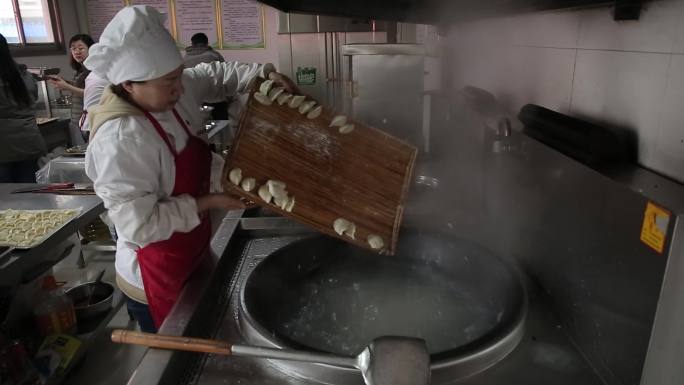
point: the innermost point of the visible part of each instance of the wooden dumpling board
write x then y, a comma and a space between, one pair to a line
362, 176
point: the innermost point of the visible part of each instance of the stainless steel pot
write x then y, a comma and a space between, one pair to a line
101, 301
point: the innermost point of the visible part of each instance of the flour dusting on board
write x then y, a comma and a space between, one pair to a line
264, 127
317, 142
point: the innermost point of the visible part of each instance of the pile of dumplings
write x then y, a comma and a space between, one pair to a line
273, 191
268, 94
345, 227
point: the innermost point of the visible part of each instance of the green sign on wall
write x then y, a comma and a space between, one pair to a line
306, 76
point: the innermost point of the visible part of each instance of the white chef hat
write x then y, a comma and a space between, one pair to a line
134, 46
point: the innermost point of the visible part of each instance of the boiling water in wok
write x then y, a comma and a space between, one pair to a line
324, 294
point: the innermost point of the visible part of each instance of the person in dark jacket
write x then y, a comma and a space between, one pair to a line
200, 51
22, 143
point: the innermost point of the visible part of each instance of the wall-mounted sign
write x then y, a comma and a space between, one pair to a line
229, 24
193, 16
100, 13
306, 76
242, 24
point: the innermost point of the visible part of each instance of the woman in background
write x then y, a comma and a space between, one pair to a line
79, 46
22, 143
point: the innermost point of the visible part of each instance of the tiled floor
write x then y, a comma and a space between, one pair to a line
105, 362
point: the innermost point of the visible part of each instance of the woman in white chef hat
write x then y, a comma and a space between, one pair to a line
148, 167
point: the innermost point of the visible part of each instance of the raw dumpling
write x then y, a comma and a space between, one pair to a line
276, 188
266, 86
284, 98
264, 194
375, 242
235, 176
344, 227
351, 231
281, 201
341, 225
296, 101
306, 106
338, 121
262, 98
290, 204
248, 184
347, 128
274, 93
316, 112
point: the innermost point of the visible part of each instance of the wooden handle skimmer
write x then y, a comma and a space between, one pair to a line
171, 342
212, 346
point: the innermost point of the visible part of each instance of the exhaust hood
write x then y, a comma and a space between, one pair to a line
424, 11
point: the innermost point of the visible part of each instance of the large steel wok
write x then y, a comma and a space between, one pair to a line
325, 295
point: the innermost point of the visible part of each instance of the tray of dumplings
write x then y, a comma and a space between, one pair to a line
324, 169
24, 229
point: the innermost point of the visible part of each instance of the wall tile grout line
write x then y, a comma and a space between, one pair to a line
598, 49
574, 65
572, 83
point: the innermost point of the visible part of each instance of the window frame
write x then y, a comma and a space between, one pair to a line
39, 49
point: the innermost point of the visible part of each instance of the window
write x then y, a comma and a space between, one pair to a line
30, 24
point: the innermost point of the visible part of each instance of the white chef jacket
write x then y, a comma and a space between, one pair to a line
94, 87
133, 171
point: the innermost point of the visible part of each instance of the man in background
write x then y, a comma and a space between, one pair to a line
201, 52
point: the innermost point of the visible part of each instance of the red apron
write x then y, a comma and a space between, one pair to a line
166, 265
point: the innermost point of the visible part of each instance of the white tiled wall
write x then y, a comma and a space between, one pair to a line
622, 88
670, 140
629, 74
678, 44
552, 67
653, 32
559, 29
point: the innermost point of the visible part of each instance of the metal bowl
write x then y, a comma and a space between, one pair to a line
101, 303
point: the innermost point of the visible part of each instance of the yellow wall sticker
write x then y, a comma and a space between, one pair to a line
654, 228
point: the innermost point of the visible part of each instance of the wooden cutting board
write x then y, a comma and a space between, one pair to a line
362, 176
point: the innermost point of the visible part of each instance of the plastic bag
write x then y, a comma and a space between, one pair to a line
63, 169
